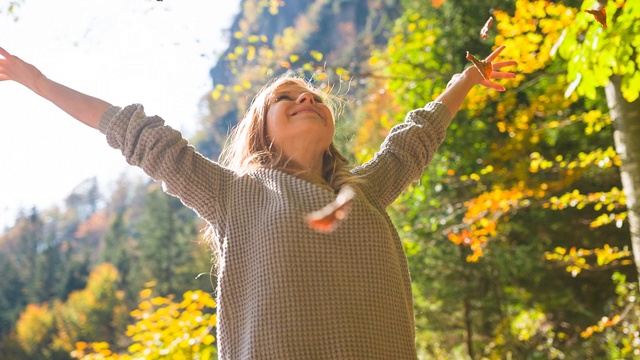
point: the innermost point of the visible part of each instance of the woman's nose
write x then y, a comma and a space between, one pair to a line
306, 96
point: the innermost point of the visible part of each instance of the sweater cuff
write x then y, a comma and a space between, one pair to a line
106, 118
441, 112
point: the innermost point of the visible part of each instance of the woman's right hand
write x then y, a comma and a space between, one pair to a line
14, 68
85, 108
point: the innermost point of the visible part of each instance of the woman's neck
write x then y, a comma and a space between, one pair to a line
312, 174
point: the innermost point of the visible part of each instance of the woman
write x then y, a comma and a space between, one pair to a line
286, 291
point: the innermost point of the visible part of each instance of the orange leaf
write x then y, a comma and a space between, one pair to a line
599, 14
327, 219
484, 32
485, 67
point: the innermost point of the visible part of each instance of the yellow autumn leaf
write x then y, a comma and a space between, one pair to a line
316, 55
146, 293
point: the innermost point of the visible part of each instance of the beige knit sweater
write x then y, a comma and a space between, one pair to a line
286, 291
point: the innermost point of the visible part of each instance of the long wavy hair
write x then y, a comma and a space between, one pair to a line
249, 148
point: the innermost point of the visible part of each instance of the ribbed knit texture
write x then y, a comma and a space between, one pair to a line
286, 291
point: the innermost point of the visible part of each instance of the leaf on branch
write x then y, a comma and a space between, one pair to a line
599, 14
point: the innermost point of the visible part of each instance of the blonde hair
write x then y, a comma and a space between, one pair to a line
248, 147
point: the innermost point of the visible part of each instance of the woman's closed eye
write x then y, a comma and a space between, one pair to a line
281, 97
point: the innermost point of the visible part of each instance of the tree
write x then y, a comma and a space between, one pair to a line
163, 329
12, 299
94, 313
35, 330
168, 250
597, 57
118, 251
508, 163
31, 234
49, 331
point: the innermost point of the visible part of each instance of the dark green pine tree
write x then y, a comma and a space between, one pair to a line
12, 298
167, 236
30, 242
119, 251
75, 273
46, 271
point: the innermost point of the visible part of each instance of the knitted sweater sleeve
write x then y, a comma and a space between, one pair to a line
163, 154
405, 152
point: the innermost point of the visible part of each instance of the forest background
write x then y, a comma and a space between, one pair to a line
520, 235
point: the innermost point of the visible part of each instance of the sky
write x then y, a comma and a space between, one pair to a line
156, 53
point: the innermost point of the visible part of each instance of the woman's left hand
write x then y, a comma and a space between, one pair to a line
476, 77
497, 66
495, 74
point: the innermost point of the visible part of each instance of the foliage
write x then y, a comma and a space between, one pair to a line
49, 331
35, 329
595, 53
167, 245
620, 333
11, 8
494, 186
163, 329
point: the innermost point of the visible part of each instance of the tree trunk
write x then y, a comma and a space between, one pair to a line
626, 124
468, 327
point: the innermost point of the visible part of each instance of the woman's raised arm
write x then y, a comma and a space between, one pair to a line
82, 107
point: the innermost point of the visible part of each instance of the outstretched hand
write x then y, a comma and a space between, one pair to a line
478, 78
14, 68
83, 107
460, 85
497, 66
495, 74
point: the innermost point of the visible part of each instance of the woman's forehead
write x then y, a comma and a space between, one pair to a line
291, 87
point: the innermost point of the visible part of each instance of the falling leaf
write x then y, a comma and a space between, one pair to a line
484, 32
484, 66
599, 14
436, 3
327, 219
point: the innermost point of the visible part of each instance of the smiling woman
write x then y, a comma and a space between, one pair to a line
300, 128
286, 290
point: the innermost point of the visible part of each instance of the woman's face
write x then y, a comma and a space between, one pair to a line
298, 116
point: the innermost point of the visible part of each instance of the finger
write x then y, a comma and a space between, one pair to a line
4, 53
492, 85
495, 53
502, 75
501, 64
496, 86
